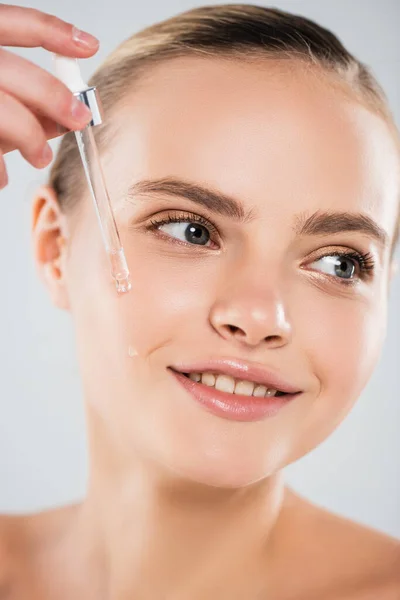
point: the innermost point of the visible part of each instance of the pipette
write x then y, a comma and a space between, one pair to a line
67, 70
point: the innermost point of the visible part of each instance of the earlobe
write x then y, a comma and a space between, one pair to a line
49, 240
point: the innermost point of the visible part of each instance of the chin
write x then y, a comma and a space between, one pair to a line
182, 444
218, 471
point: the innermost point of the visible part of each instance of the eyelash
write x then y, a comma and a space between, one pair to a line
365, 261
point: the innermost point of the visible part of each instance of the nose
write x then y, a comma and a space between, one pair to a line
252, 315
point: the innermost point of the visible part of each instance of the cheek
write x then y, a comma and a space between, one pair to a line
167, 307
342, 339
350, 343
168, 300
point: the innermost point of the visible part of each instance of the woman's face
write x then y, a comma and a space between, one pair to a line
290, 150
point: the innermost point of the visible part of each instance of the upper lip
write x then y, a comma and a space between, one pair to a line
240, 369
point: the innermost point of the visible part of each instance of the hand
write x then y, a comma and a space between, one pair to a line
32, 101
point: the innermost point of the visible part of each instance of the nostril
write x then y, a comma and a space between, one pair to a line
233, 328
273, 338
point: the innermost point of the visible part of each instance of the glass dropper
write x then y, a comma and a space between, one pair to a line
67, 69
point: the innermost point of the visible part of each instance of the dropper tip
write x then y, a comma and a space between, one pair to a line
123, 285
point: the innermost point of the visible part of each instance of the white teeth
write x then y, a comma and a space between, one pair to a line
260, 391
225, 383
245, 388
228, 384
208, 379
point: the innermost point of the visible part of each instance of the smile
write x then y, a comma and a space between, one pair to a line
237, 400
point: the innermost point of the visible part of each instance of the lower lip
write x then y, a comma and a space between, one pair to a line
235, 407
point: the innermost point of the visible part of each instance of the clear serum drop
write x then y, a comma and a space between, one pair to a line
132, 352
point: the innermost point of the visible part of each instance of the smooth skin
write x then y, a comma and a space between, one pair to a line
183, 504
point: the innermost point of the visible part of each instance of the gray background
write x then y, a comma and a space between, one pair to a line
43, 460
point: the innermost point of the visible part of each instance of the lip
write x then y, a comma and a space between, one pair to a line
239, 369
235, 407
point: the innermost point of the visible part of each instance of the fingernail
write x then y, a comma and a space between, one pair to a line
79, 111
84, 39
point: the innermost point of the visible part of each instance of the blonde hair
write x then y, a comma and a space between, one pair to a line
233, 31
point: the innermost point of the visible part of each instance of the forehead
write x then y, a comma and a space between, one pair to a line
272, 133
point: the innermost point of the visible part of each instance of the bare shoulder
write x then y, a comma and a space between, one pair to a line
360, 561
23, 537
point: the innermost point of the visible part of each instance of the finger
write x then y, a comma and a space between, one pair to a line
3, 172
21, 129
51, 130
35, 87
29, 27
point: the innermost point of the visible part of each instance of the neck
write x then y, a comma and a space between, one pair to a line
165, 537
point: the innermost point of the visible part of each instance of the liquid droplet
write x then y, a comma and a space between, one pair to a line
132, 351
123, 285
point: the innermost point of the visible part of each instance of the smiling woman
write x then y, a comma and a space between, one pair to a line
253, 164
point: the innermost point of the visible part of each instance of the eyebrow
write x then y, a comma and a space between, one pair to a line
322, 223
319, 223
213, 200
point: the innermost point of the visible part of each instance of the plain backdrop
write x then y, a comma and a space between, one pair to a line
43, 460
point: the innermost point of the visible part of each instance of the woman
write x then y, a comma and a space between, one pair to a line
253, 166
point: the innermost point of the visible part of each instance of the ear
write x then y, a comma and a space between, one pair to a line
49, 240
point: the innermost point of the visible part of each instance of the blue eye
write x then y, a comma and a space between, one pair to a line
347, 266
337, 265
